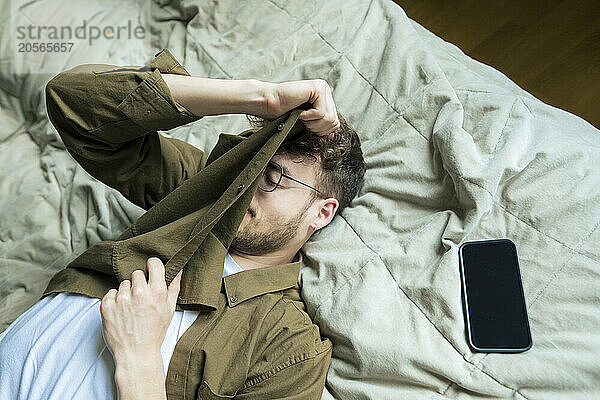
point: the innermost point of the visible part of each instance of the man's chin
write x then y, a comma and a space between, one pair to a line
243, 250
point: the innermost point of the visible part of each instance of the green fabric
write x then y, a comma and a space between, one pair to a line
108, 118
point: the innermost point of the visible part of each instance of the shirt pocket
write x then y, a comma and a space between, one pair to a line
205, 393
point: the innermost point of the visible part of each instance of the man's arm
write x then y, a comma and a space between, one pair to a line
141, 378
203, 96
108, 117
206, 96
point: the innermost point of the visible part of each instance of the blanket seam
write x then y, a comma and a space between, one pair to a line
376, 140
501, 135
211, 57
559, 270
455, 384
530, 225
517, 96
351, 279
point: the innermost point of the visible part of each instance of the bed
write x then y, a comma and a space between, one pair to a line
455, 151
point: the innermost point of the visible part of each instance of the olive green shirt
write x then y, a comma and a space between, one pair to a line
252, 338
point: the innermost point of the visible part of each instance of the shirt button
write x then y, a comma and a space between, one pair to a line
280, 127
233, 299
241, 187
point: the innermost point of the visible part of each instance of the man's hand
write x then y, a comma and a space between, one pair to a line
136, 317
134, 323
321, 120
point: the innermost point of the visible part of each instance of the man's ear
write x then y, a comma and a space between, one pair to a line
326, 214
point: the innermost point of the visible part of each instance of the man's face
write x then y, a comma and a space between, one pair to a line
281, 217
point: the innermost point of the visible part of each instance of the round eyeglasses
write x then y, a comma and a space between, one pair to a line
271, 178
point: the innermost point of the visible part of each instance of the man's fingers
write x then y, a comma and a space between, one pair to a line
124, 293
321, 128
156, 272
108, 300
138, 282
173, 289
332, 131
311, 115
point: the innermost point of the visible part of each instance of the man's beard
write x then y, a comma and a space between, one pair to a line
278, 234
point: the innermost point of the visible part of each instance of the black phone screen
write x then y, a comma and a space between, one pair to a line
494, 299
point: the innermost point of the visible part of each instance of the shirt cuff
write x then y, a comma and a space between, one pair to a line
151, 104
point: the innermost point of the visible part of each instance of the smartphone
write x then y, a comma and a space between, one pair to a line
494, 301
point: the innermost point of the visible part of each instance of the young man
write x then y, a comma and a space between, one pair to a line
251, 340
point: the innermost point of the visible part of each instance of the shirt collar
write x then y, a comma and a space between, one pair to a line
249, 283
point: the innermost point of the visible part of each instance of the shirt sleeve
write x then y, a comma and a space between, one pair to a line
108, 117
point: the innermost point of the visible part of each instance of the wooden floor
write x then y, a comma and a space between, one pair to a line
549, 48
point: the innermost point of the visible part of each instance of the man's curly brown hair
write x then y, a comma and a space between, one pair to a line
342, 166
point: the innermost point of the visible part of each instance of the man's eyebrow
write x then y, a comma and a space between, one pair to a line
285, 169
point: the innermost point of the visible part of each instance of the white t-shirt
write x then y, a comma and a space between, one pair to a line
55, 350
